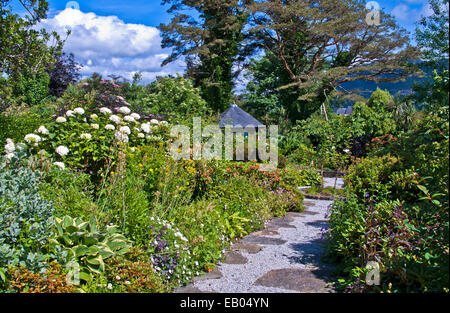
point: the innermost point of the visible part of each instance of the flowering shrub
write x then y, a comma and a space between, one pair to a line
86, 141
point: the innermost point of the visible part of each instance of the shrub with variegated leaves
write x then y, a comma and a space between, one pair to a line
88, 245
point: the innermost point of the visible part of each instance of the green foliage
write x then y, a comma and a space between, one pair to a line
397, 212
26, 219
26, 51
380, 99
432, 34
70, 193
31, 89
17, 126
175, 98
123, 201
132, 273
305, 46
87, 245
93, 140
213, 40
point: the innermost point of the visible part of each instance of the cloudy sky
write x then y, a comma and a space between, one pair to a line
120, 37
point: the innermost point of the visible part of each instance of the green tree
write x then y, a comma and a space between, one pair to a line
211, 36
324, 43
25, 51
432, 34
262, 99
432, 37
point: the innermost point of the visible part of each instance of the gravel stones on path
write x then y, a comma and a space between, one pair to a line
285, 257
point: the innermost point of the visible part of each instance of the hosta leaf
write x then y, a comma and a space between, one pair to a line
80, 250
67, 221
93, 250
67, 240
94, 260
85, 276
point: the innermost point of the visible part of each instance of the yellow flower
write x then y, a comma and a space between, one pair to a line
112, 173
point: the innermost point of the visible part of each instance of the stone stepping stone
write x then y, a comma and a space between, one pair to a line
308, 203
263, 240
214, 274
265, 232
274, 225
302, 280
247, 247
234, 257
293, 215
310, 213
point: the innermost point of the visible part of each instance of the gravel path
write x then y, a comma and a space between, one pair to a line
284, 258
329, 182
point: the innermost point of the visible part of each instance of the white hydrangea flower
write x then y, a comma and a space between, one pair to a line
9, 156
105, 111
62, 150
121, 136
129, 119
95, 126
43, 130
10, 147
146, 128
164, 123
110, 127
125, 130
141, 135
79, 111
61, 119
124, 110
85, 136
136, 116
94, 116
114, 118
60, 165
153, 121
32, 138
70, 113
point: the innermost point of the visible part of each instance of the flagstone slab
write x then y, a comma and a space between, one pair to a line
265, 232
263, 240
247, 247
214, 274
234, 257
301, 280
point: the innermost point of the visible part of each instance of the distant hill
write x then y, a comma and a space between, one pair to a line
365, 88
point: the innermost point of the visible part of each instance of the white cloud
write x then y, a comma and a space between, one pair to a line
404, 13
108, 45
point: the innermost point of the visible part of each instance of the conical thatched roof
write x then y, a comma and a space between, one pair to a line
235, 116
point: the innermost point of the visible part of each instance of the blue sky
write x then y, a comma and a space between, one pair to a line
120, 37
